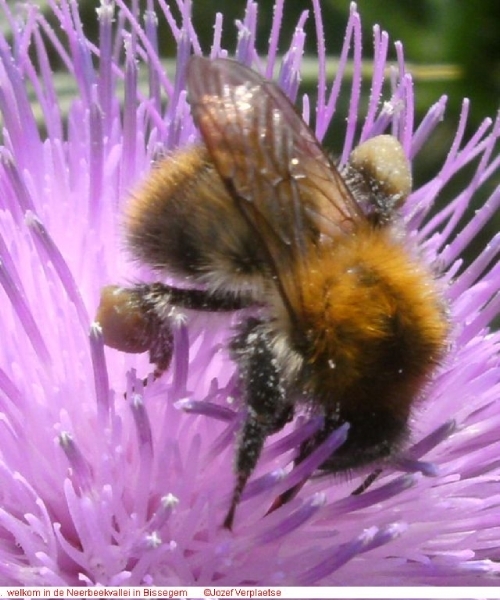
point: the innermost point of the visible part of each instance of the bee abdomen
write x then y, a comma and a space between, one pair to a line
373, 330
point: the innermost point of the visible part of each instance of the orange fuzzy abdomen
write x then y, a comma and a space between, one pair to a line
372, 330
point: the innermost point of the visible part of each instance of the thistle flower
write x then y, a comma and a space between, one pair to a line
108, 480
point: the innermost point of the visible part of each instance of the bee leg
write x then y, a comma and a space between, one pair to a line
135, 320
194, 299
139, 319
268, 409
367, 482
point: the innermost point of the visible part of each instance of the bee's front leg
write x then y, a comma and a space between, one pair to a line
268, 409
140, 318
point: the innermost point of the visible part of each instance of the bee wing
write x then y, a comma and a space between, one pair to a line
279, 176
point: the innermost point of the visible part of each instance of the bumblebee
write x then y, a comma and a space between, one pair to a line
349, 323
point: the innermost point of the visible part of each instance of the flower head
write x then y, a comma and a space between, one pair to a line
107, 479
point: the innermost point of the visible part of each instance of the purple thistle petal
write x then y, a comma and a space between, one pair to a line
130, 115
326, 108
370, 498
381, 46
354, 96
152, 55
369, 539
413, 466
101, 380
82, 471
245, 46
49, 250
434, 438
208, 409
274, 38
293, 440
216, 44
105, 14
18, 302
315, 459
289, 76
430, 121
292, 522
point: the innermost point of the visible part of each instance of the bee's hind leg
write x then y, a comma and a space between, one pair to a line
268, 409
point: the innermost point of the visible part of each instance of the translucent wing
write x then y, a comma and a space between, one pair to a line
286, 187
